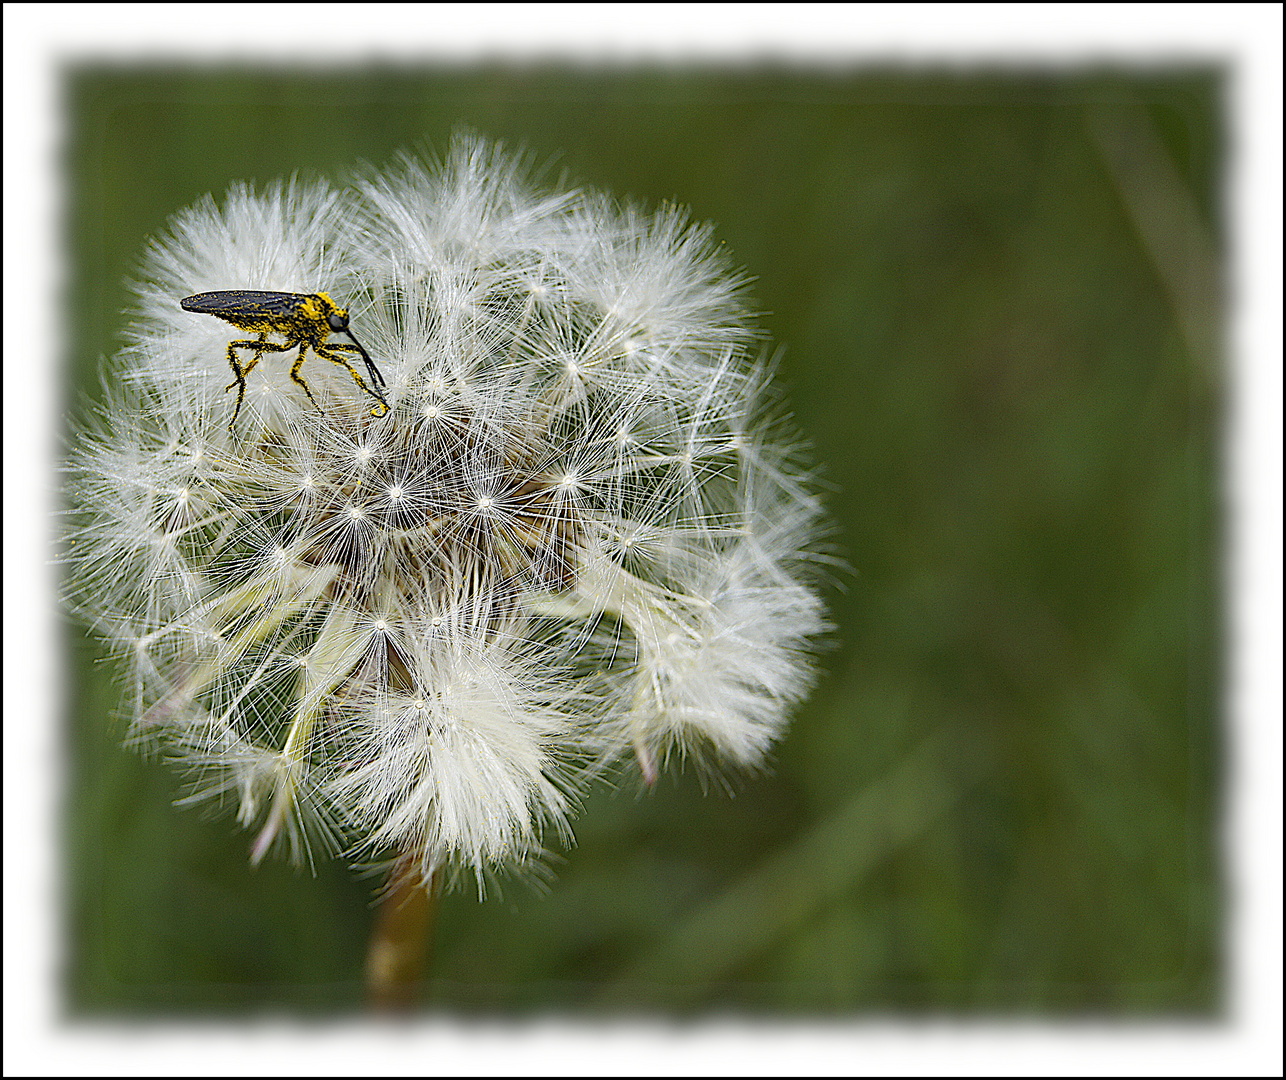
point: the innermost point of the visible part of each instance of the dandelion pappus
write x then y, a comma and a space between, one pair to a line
303, 319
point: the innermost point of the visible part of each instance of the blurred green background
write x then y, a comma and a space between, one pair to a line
999, 297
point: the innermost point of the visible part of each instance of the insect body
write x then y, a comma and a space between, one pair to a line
303, 319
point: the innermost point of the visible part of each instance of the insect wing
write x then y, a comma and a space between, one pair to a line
244, 302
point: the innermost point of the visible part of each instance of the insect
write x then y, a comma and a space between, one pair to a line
303, 319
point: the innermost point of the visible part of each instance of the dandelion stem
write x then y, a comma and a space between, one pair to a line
399, 945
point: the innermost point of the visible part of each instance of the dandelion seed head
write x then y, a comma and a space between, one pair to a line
573, 541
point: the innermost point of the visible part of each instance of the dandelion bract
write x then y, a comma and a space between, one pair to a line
580, 535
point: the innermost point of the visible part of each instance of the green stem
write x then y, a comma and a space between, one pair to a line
399, 946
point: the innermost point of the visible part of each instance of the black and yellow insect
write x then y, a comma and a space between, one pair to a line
303, 319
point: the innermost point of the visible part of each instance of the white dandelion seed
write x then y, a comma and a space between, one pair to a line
573, 540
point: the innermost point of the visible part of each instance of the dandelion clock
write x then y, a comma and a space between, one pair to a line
404, 607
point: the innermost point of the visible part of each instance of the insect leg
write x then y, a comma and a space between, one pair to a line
258, 346
294, 372
329, 351
377, 379
240, 376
